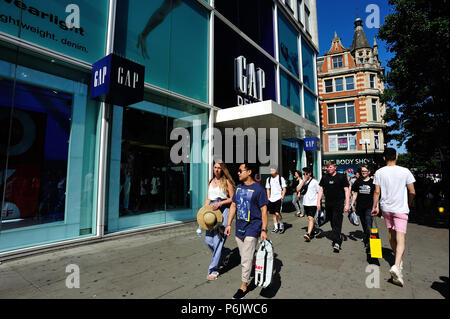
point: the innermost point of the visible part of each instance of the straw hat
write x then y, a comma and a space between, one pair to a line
208, 218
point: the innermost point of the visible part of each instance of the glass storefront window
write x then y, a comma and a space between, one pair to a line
310, 107
44, 23
146, 187
288, 45
48, 155
170, 38
254, 18
290, 92
308, 66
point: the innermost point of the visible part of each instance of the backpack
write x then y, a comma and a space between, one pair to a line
269, 179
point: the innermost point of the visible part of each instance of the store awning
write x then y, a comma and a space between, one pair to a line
267, 114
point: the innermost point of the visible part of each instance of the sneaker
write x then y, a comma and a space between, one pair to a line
397, 277
240, 294
307, 237
281, 231
275, 230
336, 247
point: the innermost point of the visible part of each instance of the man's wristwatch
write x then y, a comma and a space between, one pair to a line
264, 230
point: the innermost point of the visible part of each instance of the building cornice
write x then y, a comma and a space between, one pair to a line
351, 71
366, 92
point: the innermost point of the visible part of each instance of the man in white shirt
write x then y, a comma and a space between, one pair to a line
276, 190
393, 182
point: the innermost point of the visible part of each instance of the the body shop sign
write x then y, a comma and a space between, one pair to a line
76, 28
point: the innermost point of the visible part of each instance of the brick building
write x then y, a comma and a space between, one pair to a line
350, 86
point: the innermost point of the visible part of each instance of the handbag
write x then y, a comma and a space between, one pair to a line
264, 264
353, 218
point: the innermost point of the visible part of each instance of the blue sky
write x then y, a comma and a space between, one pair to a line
339, 16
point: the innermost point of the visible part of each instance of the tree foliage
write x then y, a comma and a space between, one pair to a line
418, 83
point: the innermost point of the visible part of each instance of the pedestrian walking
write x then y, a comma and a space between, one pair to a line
220, 193
310, 190
250, 207
297, 198
335, 187
392, 185
362, 202
276, 190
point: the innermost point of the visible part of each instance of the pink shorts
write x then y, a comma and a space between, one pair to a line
397, 222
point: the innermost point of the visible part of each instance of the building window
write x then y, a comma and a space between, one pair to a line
377, 140
374, 110
372, 81
300, 11
328, 86
339, 82
349, 83
341, 113
337, 62
289, 4
307, 17
342, 142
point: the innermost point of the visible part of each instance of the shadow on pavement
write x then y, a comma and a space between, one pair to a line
355, 235
275, 285
287, 226
388, 255
234, 260
441, 287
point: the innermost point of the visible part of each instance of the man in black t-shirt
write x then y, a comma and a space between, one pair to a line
363, 190
335, 187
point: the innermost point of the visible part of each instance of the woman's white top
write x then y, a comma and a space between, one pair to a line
216, 193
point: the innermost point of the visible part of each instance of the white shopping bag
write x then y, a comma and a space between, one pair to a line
264, 264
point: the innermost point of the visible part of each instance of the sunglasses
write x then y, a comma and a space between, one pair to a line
241, 170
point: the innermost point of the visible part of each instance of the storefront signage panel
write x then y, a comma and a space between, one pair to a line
353, 161
44, 23
310, 144
249, 81
242, 74
117, 81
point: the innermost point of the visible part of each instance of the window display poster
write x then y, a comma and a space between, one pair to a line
35, 144
76, 28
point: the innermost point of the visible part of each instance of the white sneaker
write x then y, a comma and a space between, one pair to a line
397, 277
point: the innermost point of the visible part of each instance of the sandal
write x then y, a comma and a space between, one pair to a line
213, 276
297, 214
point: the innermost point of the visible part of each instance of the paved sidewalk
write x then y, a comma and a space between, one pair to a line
172, 263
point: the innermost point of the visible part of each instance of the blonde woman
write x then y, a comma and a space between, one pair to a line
220, 195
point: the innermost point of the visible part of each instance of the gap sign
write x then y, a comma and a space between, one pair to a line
310, 144
116, 80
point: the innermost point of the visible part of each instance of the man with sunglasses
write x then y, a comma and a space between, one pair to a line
250, 207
